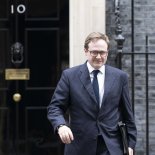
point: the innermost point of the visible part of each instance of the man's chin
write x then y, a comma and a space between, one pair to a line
97, 66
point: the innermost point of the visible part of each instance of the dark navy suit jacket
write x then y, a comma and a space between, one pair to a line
74, 93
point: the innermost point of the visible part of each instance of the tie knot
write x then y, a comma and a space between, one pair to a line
95, 72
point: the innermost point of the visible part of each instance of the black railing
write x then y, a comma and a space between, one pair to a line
119, 37
119, 57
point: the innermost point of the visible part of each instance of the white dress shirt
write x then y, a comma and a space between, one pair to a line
100, 78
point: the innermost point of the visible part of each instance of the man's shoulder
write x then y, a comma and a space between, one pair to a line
116, 70
73, 72
74, 68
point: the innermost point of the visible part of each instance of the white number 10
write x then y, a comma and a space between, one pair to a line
20, 9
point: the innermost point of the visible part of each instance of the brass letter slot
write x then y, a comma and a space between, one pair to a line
17, 74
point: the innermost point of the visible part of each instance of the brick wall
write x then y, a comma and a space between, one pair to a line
144, 23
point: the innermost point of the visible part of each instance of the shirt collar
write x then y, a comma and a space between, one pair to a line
90, 68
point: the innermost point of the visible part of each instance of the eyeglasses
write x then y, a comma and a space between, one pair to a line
95, 53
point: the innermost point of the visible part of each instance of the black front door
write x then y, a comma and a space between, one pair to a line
34, 45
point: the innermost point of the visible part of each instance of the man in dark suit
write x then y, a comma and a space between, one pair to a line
96, 97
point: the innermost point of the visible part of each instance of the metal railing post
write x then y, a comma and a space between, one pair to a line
119, 37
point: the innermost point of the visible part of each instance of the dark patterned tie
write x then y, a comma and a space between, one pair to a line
95, 85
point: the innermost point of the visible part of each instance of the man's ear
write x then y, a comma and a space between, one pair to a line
85, 50
108, 53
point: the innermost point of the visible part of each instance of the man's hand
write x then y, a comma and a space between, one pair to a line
130, 151
65, 134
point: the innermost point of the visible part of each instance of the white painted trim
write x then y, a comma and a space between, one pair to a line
85, 16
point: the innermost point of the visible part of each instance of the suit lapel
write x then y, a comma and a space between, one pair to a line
85, 79
108, 83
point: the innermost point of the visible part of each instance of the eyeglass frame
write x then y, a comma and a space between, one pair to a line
95, 53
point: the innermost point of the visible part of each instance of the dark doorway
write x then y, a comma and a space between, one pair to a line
34, 35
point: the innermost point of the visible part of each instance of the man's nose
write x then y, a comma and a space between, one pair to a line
98, 55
